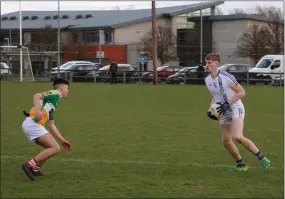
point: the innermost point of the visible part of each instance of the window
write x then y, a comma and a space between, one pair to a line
264, 63
232, 68
91, 37
108, 37
276, 64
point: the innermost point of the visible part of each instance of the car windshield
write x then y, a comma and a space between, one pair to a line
71, 67
183, 70
224, 67
264, 63
161, 68
66, 65
104, 68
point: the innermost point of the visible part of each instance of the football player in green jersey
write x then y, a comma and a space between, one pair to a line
40, 115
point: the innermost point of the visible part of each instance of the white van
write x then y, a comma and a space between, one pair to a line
268, 64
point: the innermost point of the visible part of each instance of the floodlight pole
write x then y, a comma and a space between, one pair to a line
201, 34
58, 38
154, 44
21, 42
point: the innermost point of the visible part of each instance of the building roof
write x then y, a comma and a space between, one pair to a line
96, 18
233, 17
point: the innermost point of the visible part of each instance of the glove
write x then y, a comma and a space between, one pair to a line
223, 108
211, 116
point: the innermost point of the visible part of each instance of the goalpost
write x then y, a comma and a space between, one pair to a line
21, 55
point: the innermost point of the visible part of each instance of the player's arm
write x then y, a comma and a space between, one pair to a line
54, 130
36, 100
240, 92
212, 98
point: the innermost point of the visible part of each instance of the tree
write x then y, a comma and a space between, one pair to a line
166, 44
219, 11
250, 43
261, 39
77, 37
238, 11
274, 29
44, 40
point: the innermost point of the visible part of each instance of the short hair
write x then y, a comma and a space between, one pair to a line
59, 81
213, 57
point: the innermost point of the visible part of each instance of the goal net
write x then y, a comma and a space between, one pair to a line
19, 69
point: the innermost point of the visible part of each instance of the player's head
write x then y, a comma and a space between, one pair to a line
212, 62
62, 85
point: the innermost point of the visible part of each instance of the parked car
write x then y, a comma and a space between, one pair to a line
190, 73
69, 63
237, 70
5, 71
102, 75
162, 73
178, 77
79, 71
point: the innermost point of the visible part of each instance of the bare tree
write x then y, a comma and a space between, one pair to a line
219, 11
166, 44
238, 11
44, 40
250, 44
262, 39
274, 29
77, 37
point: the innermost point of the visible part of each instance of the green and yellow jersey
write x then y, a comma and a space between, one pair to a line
48, 106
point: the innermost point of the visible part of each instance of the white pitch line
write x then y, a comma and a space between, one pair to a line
132, 162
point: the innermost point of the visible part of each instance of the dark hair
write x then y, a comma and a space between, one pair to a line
60, 81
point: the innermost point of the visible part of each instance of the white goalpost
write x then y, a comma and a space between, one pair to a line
21, 54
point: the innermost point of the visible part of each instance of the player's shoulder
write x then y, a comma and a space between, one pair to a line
51, 92
225, 74
208, 78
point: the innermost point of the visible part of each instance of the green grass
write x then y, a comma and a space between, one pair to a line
142, 141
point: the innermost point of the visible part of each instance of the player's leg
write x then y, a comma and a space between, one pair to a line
237, 131
231, 148
37, 133
32, 167
227, 136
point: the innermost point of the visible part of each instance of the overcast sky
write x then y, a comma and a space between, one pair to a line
12, 6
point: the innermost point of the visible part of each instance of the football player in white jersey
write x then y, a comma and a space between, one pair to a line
227, 92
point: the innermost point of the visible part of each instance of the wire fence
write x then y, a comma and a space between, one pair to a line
139, 77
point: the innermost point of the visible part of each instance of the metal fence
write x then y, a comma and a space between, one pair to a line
134, 77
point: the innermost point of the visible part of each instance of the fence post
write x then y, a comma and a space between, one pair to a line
247, 78
185, 76
124, 76
95, 78
280, 79
71, 75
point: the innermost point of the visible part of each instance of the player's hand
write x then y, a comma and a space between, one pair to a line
223, 108
66, 145
211, 116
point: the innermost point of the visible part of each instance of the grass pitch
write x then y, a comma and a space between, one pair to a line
142, 141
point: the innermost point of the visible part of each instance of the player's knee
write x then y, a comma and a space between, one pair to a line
239, 139
227, 142
56, 149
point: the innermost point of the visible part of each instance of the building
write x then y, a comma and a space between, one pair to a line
118, 31
220, 34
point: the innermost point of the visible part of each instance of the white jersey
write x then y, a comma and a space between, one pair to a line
221, 88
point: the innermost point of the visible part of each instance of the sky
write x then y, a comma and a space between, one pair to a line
12, 6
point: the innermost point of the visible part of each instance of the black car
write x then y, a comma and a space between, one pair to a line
102, 75
186, 75
238, 70
78, 72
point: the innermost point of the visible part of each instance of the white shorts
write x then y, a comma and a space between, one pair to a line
236, 112
33, 130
